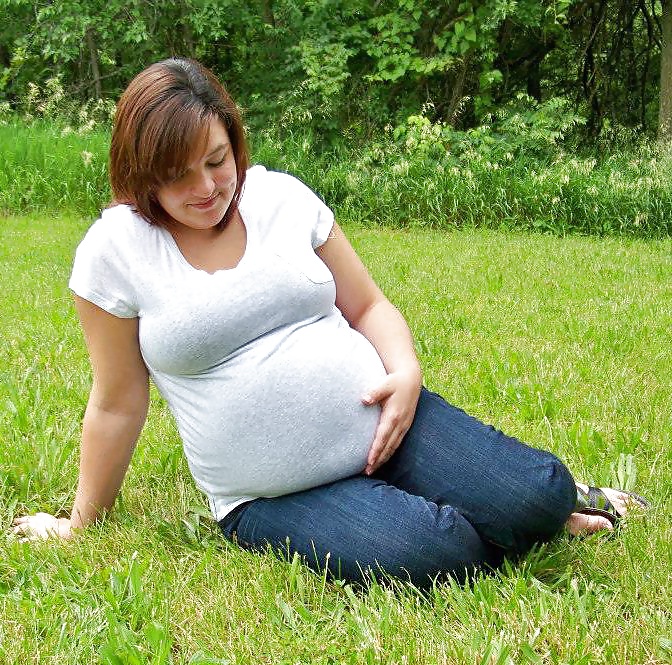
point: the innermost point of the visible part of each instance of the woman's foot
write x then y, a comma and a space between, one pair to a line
579, 524
584, 524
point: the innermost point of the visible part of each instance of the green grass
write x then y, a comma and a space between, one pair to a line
562, 342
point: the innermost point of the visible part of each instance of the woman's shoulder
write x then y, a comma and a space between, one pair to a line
118, 225
122, 216
283, 208
259, 179
268, 192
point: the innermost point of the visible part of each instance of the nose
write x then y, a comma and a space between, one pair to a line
203, 185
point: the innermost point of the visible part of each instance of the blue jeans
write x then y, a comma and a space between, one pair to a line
456, 496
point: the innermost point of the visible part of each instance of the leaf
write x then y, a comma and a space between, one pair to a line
665, 644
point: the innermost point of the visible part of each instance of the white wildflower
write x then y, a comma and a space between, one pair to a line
87, 126
401, 168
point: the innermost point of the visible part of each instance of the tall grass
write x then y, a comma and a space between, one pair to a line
385, 183
48, 166
625, 194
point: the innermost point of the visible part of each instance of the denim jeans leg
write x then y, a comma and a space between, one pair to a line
514, 495
361, 524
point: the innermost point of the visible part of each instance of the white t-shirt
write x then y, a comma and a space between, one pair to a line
261, 371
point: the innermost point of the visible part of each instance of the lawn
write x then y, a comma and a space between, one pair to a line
563, 342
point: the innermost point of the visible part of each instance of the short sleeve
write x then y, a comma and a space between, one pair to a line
100, 271
324, 221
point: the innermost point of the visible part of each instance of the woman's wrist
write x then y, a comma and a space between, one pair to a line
412, 370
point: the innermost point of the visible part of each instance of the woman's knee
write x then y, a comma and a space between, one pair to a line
548, 499
438, 542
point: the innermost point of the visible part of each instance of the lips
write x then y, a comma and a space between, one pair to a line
208, 203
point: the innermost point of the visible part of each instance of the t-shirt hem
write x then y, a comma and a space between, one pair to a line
110, 306
323, 231
221, 510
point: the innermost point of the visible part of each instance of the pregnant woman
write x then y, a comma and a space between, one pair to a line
292, 379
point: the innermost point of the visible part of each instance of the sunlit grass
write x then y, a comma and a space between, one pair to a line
562, 342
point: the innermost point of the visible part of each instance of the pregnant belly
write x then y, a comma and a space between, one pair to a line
287, 417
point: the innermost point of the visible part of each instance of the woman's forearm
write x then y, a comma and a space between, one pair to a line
108, 440
384, 326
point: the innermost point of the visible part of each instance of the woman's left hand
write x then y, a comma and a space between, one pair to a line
398, 397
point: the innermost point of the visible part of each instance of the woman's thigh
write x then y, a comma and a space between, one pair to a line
514, 495
359, 524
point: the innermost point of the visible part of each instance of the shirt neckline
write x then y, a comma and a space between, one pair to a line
172, 243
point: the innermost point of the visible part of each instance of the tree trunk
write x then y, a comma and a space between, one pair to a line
267, 10
93, 57
457, 97
189, 48
665, 112
534, 79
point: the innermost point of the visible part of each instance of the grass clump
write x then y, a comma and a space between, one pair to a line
474, 184
561, 342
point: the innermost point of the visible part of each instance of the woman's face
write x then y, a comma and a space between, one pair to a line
200, 196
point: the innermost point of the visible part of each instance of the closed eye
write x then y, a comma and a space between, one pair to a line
214, 165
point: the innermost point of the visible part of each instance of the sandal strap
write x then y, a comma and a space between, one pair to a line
594, 499
601, 513
598, 499
595, 502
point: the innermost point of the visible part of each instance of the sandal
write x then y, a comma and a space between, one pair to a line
595, 502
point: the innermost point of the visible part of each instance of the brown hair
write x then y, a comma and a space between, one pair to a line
162, 116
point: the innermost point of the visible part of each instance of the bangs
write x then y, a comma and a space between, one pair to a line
172, 139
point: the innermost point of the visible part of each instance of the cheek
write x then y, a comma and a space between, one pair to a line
227, 185
228, 176
168, 198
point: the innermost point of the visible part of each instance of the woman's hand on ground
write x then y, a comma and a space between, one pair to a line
398, 397
41, 526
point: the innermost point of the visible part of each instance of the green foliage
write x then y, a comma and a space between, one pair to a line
46, 164
523, 128
350, 66
50, 103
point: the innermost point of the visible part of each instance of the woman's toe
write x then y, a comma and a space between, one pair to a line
579, 524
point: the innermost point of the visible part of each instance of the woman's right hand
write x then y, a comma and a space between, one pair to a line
41, 526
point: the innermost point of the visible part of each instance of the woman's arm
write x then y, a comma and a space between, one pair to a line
114, 417
368, 311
